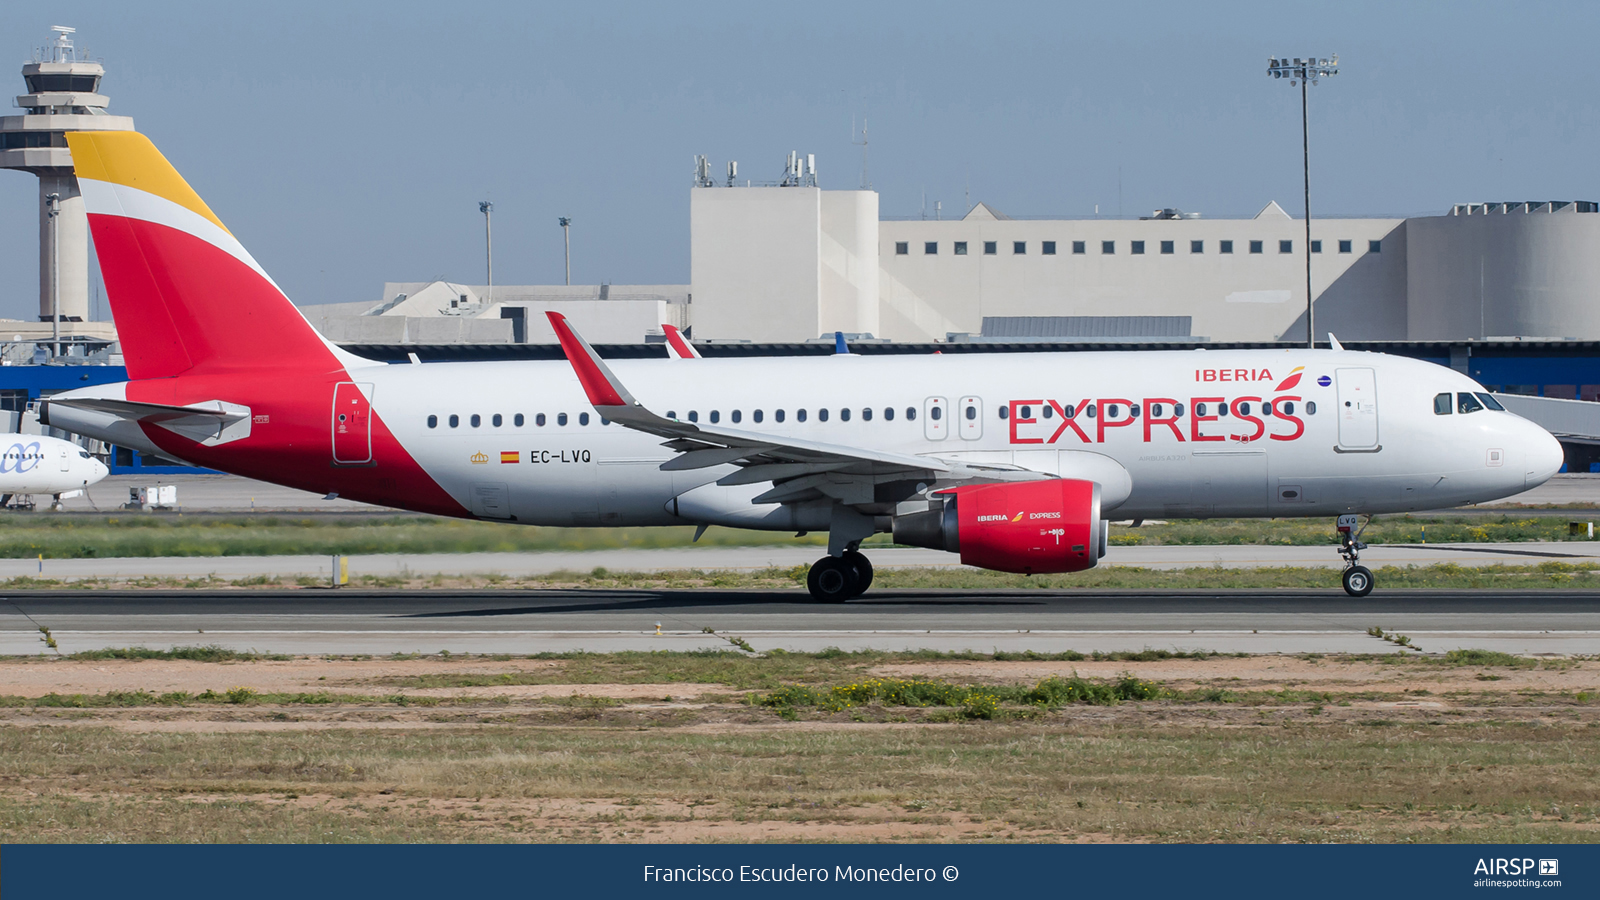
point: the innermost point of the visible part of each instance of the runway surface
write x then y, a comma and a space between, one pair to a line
779, 555
533, 621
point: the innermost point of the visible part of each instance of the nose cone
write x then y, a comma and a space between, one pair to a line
97, 470
1543, 454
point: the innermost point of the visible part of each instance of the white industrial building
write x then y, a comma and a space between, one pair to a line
789, 261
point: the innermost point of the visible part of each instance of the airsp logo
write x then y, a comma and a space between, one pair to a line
1549, 867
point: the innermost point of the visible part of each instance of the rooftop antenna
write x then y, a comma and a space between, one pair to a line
566, 240
733, 171
866, 183
63, 51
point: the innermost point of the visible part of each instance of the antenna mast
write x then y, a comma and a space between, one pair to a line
866, 183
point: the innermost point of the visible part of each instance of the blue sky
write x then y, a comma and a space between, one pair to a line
348, 144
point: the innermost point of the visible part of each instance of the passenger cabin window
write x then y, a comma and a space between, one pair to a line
755, 415
476, 420
888, 414
454, 420
715, 417
433, 421
539, 420
822, 414
799, 415
1311, 407
1441, 404
911, 414
518, 420
496, 421
694, 415
778, 414
844, 415
866, 414
1286, 407
561, 418
1466, 403
936, 413
583, 418
1003, 411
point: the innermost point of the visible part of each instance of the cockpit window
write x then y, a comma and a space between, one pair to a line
1467, 403
1441, 404
1490, 401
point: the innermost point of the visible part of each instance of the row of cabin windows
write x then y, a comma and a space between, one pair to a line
517, 421
1464, 403
758, 416
1137, 248
1114, 410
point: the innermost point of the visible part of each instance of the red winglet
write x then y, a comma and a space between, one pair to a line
681, 348
596, 378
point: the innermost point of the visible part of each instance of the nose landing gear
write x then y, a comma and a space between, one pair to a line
1357, 578
835, 579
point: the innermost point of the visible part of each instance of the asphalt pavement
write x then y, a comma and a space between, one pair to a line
530, 621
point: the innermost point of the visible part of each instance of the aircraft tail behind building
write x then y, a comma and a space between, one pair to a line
186, 295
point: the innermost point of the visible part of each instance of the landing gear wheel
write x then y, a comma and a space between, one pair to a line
1358, 581
832, 580
863, 567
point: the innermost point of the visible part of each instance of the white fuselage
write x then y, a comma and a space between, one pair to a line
1373, 443
36, 464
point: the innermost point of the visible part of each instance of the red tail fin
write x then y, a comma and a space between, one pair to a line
185, 294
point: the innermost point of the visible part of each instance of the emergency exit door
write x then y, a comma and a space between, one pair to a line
352, 423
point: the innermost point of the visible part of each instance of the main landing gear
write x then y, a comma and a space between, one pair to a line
835, 579
1357, 578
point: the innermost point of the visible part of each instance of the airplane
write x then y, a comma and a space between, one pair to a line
38, 464
1014, 461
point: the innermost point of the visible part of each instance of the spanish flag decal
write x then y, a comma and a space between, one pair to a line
1292, 380
510, 456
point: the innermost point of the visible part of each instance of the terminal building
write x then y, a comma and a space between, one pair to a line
1502, 291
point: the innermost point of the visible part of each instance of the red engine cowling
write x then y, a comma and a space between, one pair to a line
1030, 527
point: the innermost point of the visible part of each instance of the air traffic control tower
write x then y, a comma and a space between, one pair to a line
63, 95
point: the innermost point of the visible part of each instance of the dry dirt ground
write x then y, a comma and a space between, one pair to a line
474, 749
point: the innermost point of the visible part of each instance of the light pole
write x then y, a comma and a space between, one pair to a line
566, 238
54, 214
1299, 71
487, 209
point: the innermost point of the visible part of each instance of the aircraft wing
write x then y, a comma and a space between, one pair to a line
799, 469
678, 346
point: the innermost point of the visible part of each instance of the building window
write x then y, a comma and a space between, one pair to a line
1048, 248
1108, 247
1019, 248
1286, 246
1344, 246
1197, 246
1374, 246
1136, 247
990, 248
1080, 247
1316, 246
931, 248
1166, 247
1224, 246
961, 248
901, 248
1255, 246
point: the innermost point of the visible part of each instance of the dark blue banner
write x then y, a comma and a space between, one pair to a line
889, 870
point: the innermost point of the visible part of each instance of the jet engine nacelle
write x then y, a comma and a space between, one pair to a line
1030, 527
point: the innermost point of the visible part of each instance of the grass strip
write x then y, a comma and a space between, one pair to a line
137, 534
